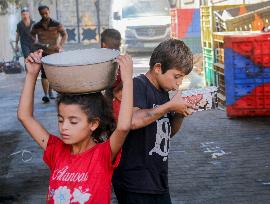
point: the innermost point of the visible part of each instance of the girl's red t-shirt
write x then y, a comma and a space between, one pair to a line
80, 178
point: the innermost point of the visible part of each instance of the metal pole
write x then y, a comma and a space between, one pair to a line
97, 4
78, 20
56, 5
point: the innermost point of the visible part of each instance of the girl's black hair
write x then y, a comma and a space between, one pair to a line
96, 107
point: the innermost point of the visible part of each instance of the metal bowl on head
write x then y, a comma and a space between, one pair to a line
81, 71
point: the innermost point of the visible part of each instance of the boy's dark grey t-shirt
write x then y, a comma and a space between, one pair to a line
144, 162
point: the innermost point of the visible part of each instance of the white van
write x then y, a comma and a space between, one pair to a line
143, 24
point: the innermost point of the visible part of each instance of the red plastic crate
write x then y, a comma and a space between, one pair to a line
182, 21
267, 102
250, 102
257, 103
266, 91
263, 91
255, 46
247, 112
260, 102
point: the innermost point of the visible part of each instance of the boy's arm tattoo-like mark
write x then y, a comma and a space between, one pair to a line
148, 114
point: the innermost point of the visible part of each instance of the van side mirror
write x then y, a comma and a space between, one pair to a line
116, 16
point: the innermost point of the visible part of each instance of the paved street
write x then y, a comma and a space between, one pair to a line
213, 159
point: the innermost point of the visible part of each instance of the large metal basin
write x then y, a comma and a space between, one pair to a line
81, 71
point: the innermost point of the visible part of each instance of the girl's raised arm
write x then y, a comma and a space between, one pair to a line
25, 109
125, 115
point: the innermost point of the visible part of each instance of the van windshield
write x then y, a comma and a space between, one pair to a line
143, 8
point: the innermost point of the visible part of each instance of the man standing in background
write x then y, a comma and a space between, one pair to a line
23, 33
47, 32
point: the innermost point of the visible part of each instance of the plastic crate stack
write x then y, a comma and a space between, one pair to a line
185, 25
247, 74
208, 27
219, 65
219, 60
214, 19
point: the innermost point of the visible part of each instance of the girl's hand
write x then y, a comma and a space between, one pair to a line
126, 67
33, 63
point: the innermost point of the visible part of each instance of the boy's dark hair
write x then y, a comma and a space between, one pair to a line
96, 107
172, 53
40, 8
112, 38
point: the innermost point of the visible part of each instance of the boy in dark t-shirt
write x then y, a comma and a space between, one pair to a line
23, 33
142, 176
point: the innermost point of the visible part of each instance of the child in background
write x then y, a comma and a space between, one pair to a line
81, 169
111, 38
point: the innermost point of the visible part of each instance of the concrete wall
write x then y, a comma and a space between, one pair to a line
8, 33
83, 26
80, 17
83, 20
